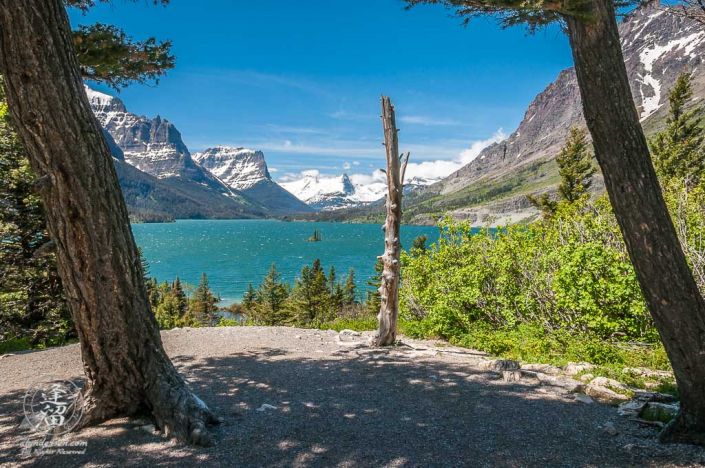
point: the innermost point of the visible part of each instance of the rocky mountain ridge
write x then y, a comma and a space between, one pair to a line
155, 147
246, 170
657, 48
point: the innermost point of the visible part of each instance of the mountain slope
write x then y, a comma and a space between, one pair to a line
657, 48
155, 148
493, 187
246, 171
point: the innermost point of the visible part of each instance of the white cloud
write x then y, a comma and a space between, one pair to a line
467, 156
345, 115
428, 121
340, 148
273, 169
442, 167
429, 170
366, 179
295, 130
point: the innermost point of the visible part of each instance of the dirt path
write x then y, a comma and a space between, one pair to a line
338, 404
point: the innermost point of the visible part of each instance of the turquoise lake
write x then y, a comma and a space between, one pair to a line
234, 253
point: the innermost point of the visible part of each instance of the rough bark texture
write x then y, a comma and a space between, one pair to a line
663, 273
124, 360
389, 289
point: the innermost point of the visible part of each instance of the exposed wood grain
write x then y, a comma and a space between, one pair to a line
389, 289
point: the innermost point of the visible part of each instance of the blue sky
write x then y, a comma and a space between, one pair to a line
301, 80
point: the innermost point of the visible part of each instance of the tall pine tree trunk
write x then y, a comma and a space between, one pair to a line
124, 361
663, 273
389, 288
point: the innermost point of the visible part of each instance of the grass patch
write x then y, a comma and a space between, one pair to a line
533, 344
15, 344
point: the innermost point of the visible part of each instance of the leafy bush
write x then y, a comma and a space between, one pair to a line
569, 272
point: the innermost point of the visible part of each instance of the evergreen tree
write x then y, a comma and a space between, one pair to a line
544, 203
167, 313
31, 296
202, 305
171, 307
331, 279
180, 297
320, 294
336, 295
575, 166
373, 303
350, 289
271, 299
311, 295
678, 151
576, 170
249, 298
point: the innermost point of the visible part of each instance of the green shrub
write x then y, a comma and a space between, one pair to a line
570, 272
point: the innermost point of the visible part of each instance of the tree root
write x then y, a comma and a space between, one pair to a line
177, 412
683, 430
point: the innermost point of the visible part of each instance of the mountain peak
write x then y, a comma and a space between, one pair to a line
240, 168
102, 102
333, 192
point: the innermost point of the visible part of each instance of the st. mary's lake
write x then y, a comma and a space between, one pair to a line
234, 253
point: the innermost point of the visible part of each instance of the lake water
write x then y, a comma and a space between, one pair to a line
234, 253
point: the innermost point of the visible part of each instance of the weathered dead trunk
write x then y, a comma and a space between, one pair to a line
124, 360
389, 289
663, 273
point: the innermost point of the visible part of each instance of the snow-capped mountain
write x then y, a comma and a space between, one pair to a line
334, 192
657, 47
154, 146
151, 145
328, 193
240, 168
246, 170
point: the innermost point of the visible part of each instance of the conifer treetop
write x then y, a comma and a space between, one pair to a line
533, 14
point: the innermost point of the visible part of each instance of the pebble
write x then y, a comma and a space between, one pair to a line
266, 407
610, 429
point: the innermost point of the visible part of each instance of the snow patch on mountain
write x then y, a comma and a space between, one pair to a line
333, 192
656, 51
239, 168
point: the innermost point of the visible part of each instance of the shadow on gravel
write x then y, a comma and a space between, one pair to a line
371, 410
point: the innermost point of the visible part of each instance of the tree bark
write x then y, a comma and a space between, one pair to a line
621, 149
124, 361
389, 289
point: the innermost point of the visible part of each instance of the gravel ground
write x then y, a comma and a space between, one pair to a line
342, 404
